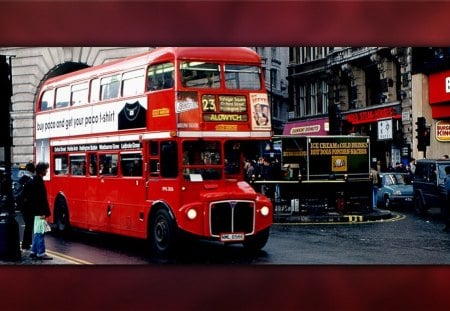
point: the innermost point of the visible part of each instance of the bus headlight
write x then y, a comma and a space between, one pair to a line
265, 211
191, 214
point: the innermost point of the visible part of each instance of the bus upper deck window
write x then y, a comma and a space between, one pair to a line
80, 93
133, 83
47, 100
161, 76
242, 77
200, 74
62, 96
109, 87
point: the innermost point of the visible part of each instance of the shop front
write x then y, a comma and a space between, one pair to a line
384, 127
439, 101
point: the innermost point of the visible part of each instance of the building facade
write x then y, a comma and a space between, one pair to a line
375, 91
275, 62
372, 91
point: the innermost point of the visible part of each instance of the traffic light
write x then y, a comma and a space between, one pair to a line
5, 101
423, 134
334, 119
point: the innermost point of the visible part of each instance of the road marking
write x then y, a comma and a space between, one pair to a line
396, 217
70, 259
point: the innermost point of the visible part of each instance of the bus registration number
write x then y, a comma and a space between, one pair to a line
236, 236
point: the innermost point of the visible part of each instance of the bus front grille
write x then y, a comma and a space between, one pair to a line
231, 216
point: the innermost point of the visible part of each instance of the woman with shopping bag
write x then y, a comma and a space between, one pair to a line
41, 210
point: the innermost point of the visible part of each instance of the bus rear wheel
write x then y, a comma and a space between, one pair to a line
162, 235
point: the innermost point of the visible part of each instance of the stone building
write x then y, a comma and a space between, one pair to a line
373, 91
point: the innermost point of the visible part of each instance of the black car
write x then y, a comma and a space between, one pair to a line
17, 171
428, 184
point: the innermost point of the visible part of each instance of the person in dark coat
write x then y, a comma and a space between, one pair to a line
41, 210
23, 202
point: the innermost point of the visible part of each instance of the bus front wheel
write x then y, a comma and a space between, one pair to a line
258, 241
162, 233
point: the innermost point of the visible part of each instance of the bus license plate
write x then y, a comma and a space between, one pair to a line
236, 236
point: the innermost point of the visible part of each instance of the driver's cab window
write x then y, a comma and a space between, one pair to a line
202, 160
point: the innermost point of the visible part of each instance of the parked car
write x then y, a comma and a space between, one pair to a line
428, 180
17, 171
394, 189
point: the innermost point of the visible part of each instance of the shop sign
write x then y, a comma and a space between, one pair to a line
443, 130
369, 116
439, 94
308, 127
439, 87
385, 131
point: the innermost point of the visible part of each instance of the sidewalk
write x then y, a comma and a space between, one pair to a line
27, 260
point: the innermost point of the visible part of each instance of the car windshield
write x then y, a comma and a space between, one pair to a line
394, 179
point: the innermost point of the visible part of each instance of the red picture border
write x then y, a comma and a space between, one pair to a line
255, 23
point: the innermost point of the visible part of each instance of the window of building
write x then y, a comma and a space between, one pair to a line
322, 105
312, 105
133, 83
302, 100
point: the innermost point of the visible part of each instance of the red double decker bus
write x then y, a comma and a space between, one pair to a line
152, 146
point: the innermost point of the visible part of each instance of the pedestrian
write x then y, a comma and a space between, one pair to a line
374, 176
41, 211
412, 165
23, 204
446, 195
267, 174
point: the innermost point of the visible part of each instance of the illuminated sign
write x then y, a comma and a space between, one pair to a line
220, 117
443, 131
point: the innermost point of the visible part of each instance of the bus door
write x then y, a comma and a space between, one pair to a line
162, 171
105, 213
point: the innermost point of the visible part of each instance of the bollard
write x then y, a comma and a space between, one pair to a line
9, 238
